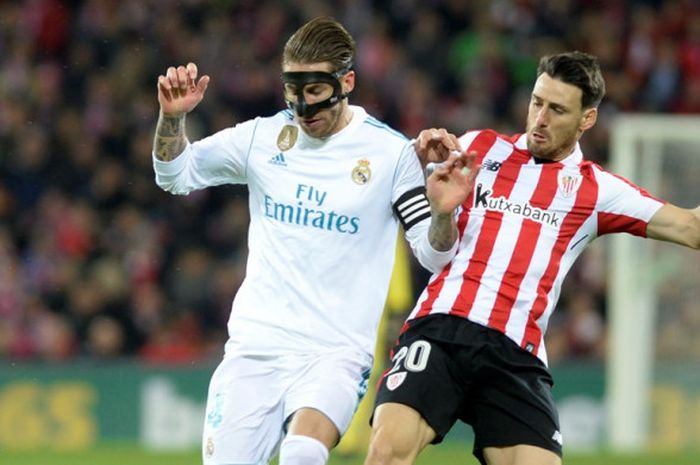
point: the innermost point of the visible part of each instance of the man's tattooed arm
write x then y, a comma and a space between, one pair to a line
442, 233
170, 140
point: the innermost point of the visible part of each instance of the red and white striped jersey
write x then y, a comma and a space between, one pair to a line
521, 229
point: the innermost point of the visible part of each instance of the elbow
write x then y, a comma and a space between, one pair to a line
165, 184
695, 242
171, 186
694, 234
436, 261
434, 268
695, 229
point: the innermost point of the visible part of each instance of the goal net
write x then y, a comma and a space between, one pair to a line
653, 370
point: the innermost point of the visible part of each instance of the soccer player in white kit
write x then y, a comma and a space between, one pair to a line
473, 349
328, 187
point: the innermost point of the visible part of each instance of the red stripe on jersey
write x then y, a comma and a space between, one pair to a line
583, 207
612, 223
491, 224
433, 289
482, 143
524, 249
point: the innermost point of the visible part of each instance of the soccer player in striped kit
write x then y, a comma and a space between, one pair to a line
328, 187
472, 348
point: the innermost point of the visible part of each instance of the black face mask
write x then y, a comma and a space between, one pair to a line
302, 78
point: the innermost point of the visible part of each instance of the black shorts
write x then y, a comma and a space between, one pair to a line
448, 368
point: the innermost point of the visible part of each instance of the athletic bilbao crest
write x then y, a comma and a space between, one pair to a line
395, 380
569, 183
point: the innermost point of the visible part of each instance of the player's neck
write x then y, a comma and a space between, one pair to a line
345, 116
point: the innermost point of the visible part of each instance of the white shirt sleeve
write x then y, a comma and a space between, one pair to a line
215, 160
624, 206
412, 208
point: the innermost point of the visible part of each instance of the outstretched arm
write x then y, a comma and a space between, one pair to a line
675, 224
179, 92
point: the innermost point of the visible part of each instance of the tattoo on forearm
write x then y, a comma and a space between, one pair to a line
170, 140
442, 233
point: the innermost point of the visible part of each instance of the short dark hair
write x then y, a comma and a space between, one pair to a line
579, 69
322, 39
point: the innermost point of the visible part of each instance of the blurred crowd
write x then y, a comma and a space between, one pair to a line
96, 261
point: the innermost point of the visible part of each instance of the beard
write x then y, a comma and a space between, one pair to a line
552, 148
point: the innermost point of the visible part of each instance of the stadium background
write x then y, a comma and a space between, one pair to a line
114, 295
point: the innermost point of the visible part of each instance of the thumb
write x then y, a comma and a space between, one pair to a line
203, 84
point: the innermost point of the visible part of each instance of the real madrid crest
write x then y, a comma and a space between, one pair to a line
287, 137
209, 451
361, 174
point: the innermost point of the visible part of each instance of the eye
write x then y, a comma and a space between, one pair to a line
313, 90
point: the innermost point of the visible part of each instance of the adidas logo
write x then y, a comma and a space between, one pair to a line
278, 160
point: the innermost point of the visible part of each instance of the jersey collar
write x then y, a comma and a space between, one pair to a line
358, 118
574, 158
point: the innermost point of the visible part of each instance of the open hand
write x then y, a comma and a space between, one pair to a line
179, 91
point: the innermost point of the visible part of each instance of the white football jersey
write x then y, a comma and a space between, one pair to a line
324, 217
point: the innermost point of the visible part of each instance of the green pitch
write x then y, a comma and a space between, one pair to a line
445, 454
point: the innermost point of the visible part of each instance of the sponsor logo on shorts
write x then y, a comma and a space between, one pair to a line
395, 380
558, 437
215, 415
209, 448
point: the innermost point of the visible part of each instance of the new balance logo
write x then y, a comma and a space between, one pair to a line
491, 165
278, 160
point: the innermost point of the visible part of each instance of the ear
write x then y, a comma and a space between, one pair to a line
348, 81
590, 116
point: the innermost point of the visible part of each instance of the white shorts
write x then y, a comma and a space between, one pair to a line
251, 397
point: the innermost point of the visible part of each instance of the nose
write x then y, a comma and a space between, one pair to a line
542, 118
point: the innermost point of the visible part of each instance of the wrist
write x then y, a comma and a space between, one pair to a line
172, 115
440, 215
